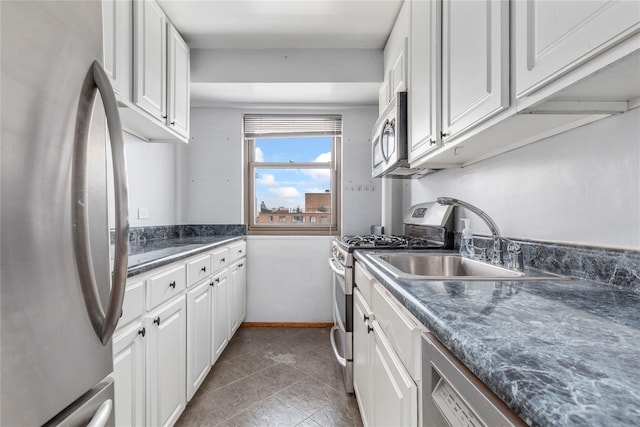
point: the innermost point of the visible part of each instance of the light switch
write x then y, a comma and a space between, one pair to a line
143, 213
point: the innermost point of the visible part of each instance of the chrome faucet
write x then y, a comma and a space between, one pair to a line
514, 251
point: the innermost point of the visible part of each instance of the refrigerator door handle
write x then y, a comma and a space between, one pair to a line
102, 415
103, 324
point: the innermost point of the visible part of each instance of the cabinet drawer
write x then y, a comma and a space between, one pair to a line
237, 250
165, 285
220, 258
133, 305
198, 269
402, 331
364, 281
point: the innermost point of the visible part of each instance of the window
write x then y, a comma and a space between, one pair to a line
292, 172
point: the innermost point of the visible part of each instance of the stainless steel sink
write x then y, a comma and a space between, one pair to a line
451, 266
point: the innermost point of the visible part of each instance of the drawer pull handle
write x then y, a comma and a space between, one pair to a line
172, 284
203, 269
369, 329
142, 331
157, 320
240, 265
365, 318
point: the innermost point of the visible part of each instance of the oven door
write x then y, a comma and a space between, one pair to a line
341, 333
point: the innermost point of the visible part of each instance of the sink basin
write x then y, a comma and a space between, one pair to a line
451, 266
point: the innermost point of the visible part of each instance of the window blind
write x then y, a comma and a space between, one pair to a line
291, 125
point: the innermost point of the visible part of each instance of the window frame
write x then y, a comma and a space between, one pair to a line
306, 228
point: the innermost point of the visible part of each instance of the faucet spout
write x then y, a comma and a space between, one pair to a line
495, 232
516, 261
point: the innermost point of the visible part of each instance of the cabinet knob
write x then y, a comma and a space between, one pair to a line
211, 283
369, 329
444, 134
164, 116
172, 284
157, 320
222, 260
203, 269
432, 142
240, 265
218, 280
173, 122
365, 318
142, 331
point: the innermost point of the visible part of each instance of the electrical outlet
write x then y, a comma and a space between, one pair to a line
143, 213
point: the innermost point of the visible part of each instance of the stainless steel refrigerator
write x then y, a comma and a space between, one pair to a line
60, 295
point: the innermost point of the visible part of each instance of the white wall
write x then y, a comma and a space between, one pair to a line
581, 186
153, 182
288, 277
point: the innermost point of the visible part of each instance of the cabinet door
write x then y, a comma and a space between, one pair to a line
128, 375
150, 58
117, 18
178, 77
220, 314
166, 363
237, 300
554, 37
424, 78
475, 62
383, 96
362, 348
198, 335
399, 72
395, 394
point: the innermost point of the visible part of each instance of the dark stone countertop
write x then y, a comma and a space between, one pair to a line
147, 255
559, 353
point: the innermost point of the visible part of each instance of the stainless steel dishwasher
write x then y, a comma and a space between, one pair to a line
453, 396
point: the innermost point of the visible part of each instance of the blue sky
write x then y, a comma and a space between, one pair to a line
286, 187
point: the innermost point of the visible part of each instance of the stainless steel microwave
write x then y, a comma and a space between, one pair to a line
389, 139
390, 142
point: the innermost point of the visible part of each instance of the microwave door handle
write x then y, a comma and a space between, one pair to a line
387, 132
103, 324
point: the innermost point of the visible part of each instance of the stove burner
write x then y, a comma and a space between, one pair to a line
388, 241
375, 240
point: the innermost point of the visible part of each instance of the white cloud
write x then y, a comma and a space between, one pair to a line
267, 179
285, 192
259, 155
324, 157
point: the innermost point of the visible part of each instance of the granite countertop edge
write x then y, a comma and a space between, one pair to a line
166, 251
543, 355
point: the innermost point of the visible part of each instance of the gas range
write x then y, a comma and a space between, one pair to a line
426, 226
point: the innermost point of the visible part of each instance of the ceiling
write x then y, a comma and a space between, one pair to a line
278, 24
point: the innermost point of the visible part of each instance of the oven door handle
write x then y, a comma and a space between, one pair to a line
339, 271
341, 360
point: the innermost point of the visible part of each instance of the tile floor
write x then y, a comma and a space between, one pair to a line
274, 377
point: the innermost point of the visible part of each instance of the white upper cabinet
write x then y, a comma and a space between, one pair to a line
150, 59
475, 62
178, 83
424, 78
117, 19
552, 38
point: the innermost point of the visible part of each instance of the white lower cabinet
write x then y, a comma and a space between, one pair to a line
238, 295
394, 392
220, 329
386, 384
166, 363
199, 325
128, 375
362, 349
176, 321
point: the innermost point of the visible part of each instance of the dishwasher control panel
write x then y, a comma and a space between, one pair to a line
453, 408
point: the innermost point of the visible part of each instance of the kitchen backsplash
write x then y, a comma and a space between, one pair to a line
139, 235
618, 267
